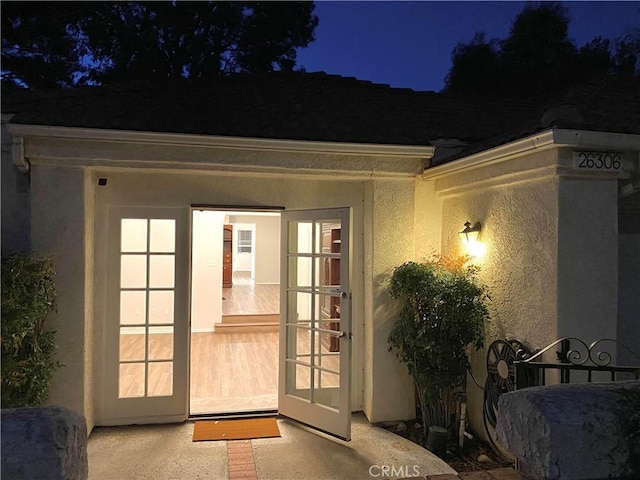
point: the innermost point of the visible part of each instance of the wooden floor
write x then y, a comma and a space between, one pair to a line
234, 372
230, 372
246, 298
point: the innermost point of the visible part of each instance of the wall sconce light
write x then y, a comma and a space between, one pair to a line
469, 237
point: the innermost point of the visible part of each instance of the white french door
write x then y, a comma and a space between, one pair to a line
147, 316
315, 320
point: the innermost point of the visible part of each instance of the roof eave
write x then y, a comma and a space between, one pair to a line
552, 138
246, 143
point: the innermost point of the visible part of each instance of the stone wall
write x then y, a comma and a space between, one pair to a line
573, 432
43, 443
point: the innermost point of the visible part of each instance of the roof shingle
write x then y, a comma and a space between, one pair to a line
321, 107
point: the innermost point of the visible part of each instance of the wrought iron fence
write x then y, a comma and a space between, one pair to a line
511, 365
576, 362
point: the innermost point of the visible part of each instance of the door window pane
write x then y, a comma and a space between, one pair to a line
131, 380
161, 271
160, 379
162, 236
132, 344
133, 271
161, 307
303, 380
133, 235
160, 343
302, 234
133, 309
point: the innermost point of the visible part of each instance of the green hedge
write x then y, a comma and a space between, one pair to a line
28, 295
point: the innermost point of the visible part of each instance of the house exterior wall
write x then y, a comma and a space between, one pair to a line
62, 228
588, 259
69, 218
629, 278
550, 238
389, 241
16, 200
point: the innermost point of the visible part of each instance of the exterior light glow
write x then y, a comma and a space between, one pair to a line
469, 237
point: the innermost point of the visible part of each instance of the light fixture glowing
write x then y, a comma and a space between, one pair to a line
469, 237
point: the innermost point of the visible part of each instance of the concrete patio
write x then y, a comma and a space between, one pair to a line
166, 452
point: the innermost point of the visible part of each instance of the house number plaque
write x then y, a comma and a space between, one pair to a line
601, 161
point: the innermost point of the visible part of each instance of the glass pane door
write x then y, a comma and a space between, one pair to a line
315, 332
148, 316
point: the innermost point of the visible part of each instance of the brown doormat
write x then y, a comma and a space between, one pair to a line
244, 429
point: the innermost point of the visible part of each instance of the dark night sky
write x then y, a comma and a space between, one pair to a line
409, 44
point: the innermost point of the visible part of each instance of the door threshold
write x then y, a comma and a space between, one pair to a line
232, 415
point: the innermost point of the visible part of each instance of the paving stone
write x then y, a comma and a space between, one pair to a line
446, 476
505, 474
477, 475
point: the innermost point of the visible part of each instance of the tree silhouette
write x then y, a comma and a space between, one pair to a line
45, 44
537, 56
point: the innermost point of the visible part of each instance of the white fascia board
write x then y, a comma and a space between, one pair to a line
244, 143
553, 138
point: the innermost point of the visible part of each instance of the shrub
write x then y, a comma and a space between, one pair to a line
443, 312
28, 295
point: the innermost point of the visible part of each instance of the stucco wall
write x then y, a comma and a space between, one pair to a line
550, 238
60, 198
389, 232
519, 232
628, 326
629, 277
588, 259
16, 201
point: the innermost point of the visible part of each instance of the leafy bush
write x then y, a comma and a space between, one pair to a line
28, 295
444, 311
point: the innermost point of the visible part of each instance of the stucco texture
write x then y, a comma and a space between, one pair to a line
519, 233
58, 230
16, 201
550, 249
389, 390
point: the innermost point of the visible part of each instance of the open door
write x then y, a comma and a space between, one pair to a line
146, 337
315, 320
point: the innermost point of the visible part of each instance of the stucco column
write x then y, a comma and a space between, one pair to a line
60, 230
587, 257
389, 242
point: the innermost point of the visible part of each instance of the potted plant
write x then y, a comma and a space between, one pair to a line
443, 312
28, 295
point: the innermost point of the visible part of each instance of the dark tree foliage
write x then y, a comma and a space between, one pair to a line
537, 56
45, 44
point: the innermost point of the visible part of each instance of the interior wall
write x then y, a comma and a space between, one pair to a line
206, 269
242, 262
267, 241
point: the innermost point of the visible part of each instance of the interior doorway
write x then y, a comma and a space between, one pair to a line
235, 306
